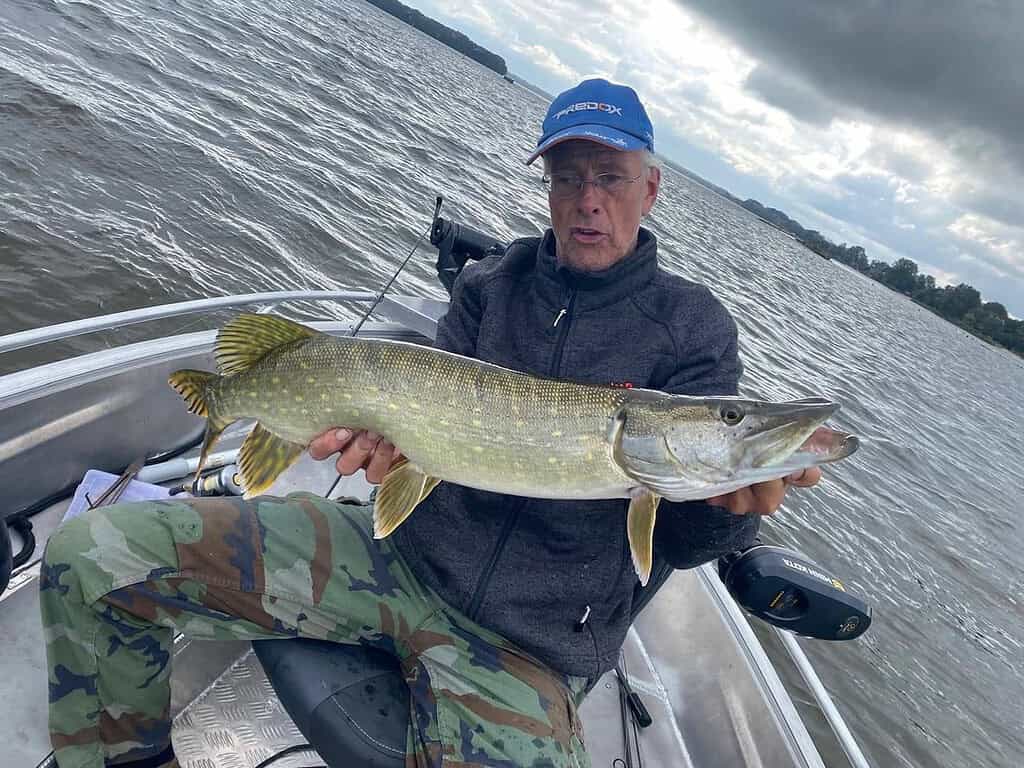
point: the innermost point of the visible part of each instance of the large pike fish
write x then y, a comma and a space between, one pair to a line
480, 425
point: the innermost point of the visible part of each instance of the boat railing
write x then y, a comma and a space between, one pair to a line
421, 315
411, 311
824, 700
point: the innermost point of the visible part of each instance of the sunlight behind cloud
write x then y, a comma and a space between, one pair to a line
901, 190
546, 59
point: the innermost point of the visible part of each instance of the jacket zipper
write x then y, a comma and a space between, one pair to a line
556, 364
478, 594
564, 314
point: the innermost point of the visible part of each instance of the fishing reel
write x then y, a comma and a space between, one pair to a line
788, 590
456, 244
223, 481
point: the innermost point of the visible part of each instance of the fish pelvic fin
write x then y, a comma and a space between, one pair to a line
193, 386
249, 337
403, 487
214, 429
262, 458
643, 508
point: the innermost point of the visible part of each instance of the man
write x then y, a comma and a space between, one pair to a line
502, 610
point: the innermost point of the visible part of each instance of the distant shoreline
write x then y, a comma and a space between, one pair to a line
450, 37
959, 305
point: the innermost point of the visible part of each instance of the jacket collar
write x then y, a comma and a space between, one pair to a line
595, 289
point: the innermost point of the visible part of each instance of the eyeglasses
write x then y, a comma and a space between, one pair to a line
564, 185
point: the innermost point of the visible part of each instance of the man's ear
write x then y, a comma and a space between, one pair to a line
653, 184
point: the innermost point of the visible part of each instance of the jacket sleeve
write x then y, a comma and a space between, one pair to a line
459, 329
689, 533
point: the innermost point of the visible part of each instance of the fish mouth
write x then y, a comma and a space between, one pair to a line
829, 444
784, 428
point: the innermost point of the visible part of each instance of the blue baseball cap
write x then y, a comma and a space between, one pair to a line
597, 110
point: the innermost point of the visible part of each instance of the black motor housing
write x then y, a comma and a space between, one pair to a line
786, 589
456, 244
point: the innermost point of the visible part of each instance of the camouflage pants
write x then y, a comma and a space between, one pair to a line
118, 580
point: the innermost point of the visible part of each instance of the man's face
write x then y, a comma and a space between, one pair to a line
596, 228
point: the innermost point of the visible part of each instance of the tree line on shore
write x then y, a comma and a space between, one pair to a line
450, 37
960, 304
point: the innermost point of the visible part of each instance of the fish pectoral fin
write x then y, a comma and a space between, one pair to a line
262, 458
403, 487
640, 520
247, 338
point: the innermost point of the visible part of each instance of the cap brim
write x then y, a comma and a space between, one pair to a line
600, 134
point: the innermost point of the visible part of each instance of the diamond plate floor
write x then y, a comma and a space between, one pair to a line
238, 722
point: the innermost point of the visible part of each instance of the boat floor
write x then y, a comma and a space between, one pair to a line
226, 714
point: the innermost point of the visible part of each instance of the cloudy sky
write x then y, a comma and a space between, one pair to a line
896, 125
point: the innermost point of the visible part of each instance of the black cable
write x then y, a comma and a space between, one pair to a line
19, 520
632, 707
189, 444
28, 539
333, 486
38, 506
625, 718
285, 752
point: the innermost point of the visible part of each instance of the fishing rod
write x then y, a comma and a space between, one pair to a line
387, 285
380, 297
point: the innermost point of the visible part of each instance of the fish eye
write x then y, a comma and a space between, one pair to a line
731, 414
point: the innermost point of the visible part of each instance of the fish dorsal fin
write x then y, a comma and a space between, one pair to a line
248, 337
640, 519
262, 457
404, 487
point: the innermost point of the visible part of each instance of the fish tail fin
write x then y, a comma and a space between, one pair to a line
248, 338
193, 386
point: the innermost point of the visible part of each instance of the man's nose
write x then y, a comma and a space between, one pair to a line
588, 199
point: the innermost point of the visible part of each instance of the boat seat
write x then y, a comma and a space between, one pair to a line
350, 702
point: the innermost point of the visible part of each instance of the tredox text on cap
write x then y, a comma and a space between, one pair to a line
597, 110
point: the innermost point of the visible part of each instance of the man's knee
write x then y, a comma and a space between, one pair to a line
96, 550
59, 569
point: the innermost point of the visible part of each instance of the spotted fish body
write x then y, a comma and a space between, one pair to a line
461, 419
477, 424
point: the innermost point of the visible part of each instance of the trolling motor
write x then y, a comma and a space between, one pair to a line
788, 590
456, 244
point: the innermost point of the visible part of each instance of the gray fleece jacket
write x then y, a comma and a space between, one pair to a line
529, 569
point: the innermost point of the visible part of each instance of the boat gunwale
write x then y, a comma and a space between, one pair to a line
26, 385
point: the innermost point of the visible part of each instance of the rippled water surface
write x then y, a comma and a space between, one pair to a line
160, 151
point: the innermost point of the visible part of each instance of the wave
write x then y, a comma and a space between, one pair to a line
24, 98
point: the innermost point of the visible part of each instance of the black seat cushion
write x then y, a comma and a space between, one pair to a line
350, 702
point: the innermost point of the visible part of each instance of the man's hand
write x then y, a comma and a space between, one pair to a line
359, 448
765, 498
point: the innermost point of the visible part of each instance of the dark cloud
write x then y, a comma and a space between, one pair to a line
952, 67
1002, 205
791, 94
